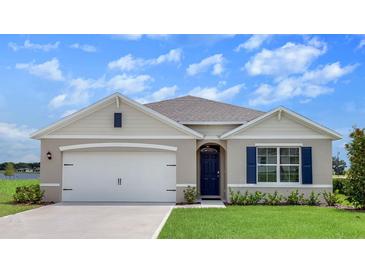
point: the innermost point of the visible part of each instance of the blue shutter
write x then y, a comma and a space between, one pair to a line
251, 165
117, 119
307, 177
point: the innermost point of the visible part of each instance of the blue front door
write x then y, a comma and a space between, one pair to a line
209, 171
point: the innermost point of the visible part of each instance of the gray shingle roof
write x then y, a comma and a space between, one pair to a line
195, 109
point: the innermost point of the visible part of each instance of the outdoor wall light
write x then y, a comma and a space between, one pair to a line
49, 155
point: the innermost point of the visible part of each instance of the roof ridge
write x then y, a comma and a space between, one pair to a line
201, 98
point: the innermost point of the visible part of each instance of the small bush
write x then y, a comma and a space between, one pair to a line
190, 194
28, 194
313, 199
273, 199
339, 184
247, 198
330, 198
295, 198
243, 198
233, 196
255, 198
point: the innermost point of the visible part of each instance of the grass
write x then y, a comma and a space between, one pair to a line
7, 189
264, 222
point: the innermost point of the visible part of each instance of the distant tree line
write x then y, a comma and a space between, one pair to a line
20, 165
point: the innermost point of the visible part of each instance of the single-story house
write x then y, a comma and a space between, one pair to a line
120, 150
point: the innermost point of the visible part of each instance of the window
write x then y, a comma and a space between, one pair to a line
276, 164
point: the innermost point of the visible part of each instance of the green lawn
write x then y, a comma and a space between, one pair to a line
7, 189
264, 222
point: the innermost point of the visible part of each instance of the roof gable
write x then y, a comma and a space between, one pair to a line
116, 99
281, 122
195, 110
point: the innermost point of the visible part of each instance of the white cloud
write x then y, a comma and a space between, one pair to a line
15, 144
214, 93
129, 84
254, 42
29, 45
68, 112
328, 73
288, 59
76, 97
129, 63
48, 70
84, 47
309, 85
173, 56
78, 92
214, 62
161, 94
13, 131
361, 44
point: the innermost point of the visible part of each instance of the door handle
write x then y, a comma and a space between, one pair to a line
119, 181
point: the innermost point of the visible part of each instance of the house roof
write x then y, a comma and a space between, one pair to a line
194, 110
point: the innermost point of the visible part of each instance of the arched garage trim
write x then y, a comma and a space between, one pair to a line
111, 145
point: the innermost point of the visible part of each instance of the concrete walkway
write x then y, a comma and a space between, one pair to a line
83, 221
204, 204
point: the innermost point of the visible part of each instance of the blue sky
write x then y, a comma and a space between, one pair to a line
45, 77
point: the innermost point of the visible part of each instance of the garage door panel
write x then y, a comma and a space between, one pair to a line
145, 176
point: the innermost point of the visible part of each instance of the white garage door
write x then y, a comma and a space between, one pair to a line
119, 176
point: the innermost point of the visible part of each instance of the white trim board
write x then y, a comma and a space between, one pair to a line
213, 123
301, 119
278, 145
117, 137
277, 185
105, 102
50, 184
185, 185
125, 145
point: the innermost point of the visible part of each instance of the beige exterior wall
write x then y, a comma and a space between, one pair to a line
212, 130
283, 127
135, 123
51, 170
321, 164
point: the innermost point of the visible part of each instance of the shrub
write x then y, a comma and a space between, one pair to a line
28, 194
273, 199
313, 199
243, 198
190, 194
247, 198
330, 198
355, 186
339, 184
234, 196
255, 198
295, 198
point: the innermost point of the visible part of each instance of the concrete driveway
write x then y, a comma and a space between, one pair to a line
85, 221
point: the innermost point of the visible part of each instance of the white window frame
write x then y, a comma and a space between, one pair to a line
278, 181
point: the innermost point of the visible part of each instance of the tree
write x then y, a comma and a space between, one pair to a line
338, 165
355, 187
9, 169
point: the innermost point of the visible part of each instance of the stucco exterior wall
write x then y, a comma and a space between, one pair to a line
135, 123
321, 159
51, 170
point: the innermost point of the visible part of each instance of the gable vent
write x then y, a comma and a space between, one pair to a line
117, 119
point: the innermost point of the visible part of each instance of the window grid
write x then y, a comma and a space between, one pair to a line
278, 165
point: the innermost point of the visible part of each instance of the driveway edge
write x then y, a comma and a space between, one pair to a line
164, 220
